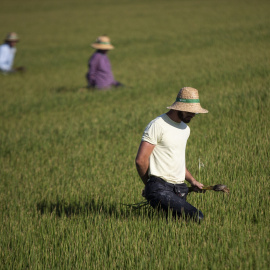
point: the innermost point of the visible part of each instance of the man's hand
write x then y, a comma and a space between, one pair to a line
197, 186
143, 192
20, 69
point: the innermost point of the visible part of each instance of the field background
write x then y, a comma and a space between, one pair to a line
67, 156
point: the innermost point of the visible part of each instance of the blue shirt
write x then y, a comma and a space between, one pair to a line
7, 55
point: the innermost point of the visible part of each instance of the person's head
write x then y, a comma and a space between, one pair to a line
187, 104
11, 39
102, 44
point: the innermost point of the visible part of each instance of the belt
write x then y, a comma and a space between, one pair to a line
179, 189
160, 180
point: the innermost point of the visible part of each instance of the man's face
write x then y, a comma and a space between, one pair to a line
185, 116
12, 43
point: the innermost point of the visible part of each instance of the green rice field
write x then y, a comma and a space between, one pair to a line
67, 154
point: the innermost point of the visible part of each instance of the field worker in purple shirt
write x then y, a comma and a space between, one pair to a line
100, 74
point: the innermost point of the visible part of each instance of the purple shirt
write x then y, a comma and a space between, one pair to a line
100, 74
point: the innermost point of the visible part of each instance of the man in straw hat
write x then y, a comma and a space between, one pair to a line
161, 160
100, 74
7, 54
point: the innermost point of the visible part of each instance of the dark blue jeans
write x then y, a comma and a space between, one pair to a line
164, 196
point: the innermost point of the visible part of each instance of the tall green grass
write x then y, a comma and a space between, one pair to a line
67, 157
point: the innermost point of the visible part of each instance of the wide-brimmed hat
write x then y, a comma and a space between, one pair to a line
12, 37
188, 100
103, 43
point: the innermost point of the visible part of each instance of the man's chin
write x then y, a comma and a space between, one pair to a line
186, 120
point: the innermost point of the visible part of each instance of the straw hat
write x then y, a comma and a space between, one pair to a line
12, 37
103, 43
187, 100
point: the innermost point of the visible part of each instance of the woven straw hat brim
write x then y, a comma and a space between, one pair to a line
187, 107
12, 37
102, 46
188, 100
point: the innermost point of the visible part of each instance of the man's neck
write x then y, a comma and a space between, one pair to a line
174, 116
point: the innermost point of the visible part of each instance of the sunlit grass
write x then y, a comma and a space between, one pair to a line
67, 157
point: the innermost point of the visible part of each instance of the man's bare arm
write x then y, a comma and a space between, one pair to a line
142, 160
192, 180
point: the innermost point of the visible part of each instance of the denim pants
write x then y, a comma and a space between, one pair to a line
163, 195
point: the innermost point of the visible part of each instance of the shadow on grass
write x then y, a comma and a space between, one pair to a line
61, 208
66, 89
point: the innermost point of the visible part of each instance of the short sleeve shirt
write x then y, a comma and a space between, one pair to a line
167, 160
100, 71
7, 55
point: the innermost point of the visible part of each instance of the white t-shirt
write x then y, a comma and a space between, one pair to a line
167, 160
7, 55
